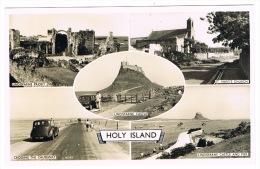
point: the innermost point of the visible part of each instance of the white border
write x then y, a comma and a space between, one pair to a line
223, 163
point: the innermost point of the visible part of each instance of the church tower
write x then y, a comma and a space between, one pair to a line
190, 28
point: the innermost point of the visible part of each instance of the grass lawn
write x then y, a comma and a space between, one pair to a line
239, 144
59, 75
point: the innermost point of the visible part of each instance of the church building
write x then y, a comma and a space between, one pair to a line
169, 40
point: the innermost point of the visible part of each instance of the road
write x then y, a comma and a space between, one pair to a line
119, 108
200, 74
73, 143
124, 91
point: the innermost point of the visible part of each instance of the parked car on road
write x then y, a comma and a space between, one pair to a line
44, 129
88, 101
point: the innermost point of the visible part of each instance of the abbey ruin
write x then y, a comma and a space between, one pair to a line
57, 42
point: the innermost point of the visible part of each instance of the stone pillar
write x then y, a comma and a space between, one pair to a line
69, 50
53, 40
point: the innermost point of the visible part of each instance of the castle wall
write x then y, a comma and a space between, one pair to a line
125, 65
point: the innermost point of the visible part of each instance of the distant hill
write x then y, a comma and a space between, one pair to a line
199, 116
127, 79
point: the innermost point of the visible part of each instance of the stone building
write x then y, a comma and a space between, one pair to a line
169, 40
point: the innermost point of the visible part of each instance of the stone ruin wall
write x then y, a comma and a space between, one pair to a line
83, 38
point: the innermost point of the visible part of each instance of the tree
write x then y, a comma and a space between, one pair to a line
199, 47
233, 28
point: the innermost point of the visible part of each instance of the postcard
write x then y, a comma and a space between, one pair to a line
133, 85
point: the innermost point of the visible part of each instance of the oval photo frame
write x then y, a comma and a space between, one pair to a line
129, 86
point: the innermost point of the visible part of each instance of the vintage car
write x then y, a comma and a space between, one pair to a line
44, 129
88, 101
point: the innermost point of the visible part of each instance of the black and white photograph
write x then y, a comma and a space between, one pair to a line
209, 47
57, 128
124, 86
114, 85
215, 125
48, 50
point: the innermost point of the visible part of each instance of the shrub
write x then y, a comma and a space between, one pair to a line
177, 152
193, 129
243, 128
202, 143
165, 155
210, 143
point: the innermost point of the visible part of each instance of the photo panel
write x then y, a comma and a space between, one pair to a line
209, 46
48, 49
48, 124
201, 126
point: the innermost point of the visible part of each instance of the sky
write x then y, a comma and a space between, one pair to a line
106, 69
213, 102
102, 24
38, 103
121, 23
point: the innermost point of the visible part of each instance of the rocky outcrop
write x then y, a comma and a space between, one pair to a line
199, 116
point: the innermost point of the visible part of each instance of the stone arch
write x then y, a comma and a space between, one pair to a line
61, 41
54, 39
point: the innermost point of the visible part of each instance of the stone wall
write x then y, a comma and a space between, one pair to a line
25, 74
167, 46
244, 62
210, 55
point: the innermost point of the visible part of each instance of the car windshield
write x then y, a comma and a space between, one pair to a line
41, 123
84, 98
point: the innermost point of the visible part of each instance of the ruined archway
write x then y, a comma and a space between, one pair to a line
61, 42
72, 43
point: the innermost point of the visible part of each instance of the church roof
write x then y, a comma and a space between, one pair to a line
167, 34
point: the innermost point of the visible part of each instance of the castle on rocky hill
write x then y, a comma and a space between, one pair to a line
125, 65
